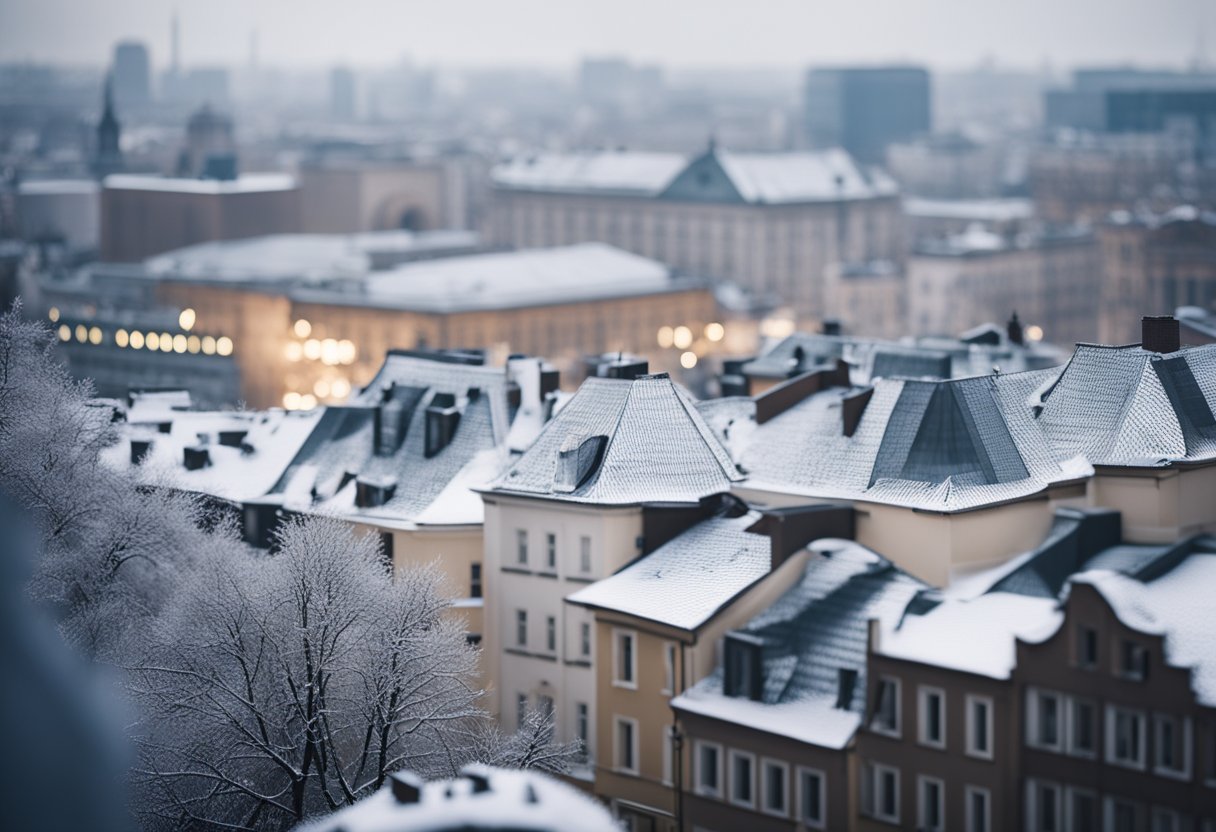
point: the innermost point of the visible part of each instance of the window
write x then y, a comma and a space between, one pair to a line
669, 733
585, 639
742, 778
1171, 746
551, 552
1087, 647
1133, 660
521, 708
1164, 820
1043, 719
475, 580
581, 723
1120, 815
626, 750
1042, 807
551, 634
1124, 737
624, 659
584, 555
1082, 811
880, 792
521, 628
978, 809
1081, 731
743, 672
812, 798
774, 787
930, 804
521, 547
979, 727
886, 707
669, 668
709, 769
931, 717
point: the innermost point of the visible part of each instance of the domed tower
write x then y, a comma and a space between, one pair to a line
108, 156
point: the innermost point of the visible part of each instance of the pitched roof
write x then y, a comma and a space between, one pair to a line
687, 580
617, 172
809, 635
1127, 406
632, 441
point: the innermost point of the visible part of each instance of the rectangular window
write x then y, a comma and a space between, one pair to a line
812, 798
886, 707
669, 668
978, 809
551, 634
581, 724
1121, 815
1043, 807
584, 555
775, 787
521, 708
709, 769
521, 628
931, 716
1082, 811
475, 580
1081, 732
880, 792
742, 779
1172, 746
1125, 737
930, 804
979, 727
1043, 722
585, 639
1133, 660
521, 547
1087, 647
626, 745
551, 551
624, 659
1165, 820
668, 733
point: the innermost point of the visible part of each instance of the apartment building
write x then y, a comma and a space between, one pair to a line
772, 223
594, 492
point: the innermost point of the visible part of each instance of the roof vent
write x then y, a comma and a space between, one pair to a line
1159, 333
406, 786
478, 778
442, 419
371, 492
617, 365
195, 457
577, 459
232, 438
832, 326
139, 450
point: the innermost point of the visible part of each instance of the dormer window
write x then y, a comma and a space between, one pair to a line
577, 460
744, 667
1133, 661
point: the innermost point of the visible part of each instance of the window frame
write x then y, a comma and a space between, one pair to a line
875, 772
1034, 718
969, 824
1083, 632
1122, 670
521, 547
800, 774
1070, 795
618, 765
1070, 740
1184, 745
1112, 723
550, 551
476, 580
767, 763
922, 823
972, 750
732, 756
669, 668
582, 727
521, 629
584, 554
551, 634
896, 695
619, 635
585, 639
1033, 788
923, 694
699, 787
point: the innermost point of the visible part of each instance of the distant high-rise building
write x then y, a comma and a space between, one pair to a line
107, 157
210, 150
341, 93
865, 109
131, 75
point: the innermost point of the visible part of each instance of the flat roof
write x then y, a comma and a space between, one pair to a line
245, 183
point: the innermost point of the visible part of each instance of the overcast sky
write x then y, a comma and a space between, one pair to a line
673, 32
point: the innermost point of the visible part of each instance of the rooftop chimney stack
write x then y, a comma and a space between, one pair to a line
1014, 330
1159, 333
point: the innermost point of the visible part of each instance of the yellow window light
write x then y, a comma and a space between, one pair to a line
194, 344
329, 352
291, 400
82, 333
121, 338
294, 351
1034, 333
53, 313
312, 349
65, 332
308, 401
688, 360
179, 343
137, 340
715, 332
302, 328
321, 388
223, 345
347, 352
186, 320
152, 340
666, 336
208, 345
340, 389
95, 335
166, 342
682, 338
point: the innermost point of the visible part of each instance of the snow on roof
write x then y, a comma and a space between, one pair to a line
243, 184
933, 445
524, 801
1127, 406
810, 176
619, 172
817, 629
51, 187
984, 210
974, 636
655, 447
232, 473
530, 277
687, 580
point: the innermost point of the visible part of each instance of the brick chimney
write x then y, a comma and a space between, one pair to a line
1159, 333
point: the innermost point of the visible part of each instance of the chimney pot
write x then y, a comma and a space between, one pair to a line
406, 786
1159, 333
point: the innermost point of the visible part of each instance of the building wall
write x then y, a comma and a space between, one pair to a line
1158, 505
781, 250
379, 197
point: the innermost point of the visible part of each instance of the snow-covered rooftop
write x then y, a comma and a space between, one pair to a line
983, 210
687, 580
243, 184
622, 172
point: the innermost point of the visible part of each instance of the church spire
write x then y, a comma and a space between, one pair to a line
108, 158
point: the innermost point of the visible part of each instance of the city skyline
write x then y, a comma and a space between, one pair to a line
768, 33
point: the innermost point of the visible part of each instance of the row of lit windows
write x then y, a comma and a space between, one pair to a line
338, 388
328, 351
152, 341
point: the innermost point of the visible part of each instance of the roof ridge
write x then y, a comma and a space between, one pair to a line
706, 433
